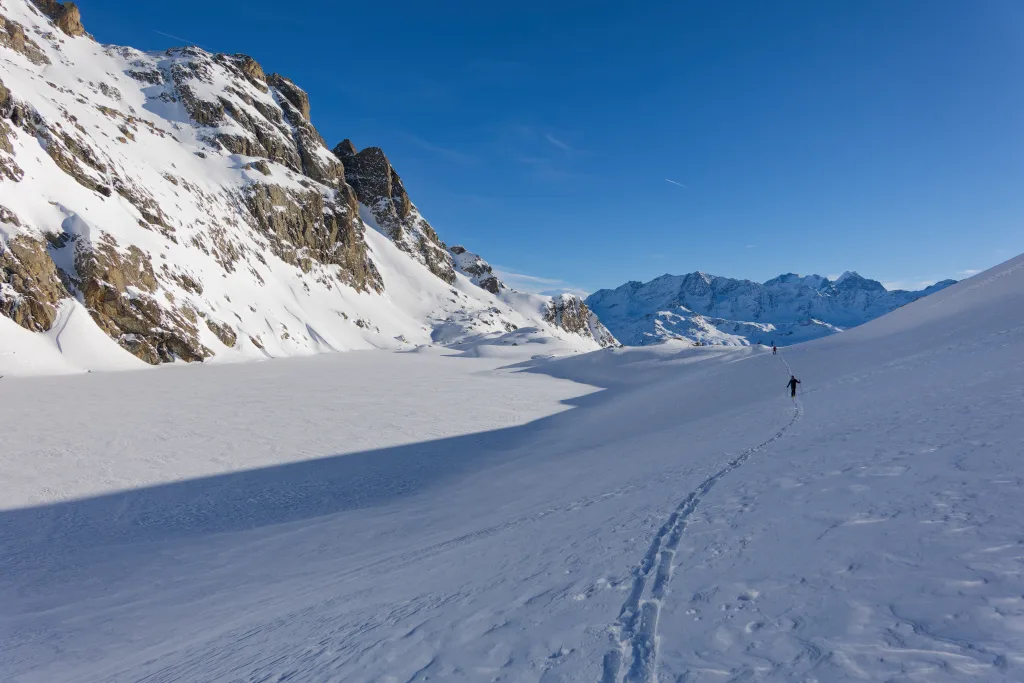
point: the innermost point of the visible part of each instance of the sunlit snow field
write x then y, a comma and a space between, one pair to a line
664, 513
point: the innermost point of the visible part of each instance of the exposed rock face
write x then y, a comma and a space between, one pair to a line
214, 210
571, 314
271, 113
291, 92
30, 286
305, 228
478, 270
65, 16
69, 20
9, 168
224, 332
12, 35
119, 290
380, 189
252, 69
314, 160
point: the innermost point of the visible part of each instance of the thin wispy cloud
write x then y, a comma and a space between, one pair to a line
535, 284
581, 293
448, 153
669, 180
557, 143
911, 284
914, 284
185, 41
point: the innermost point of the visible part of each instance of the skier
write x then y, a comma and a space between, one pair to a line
774, 350
793, 381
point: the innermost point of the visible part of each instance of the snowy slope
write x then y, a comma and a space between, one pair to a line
413, 517
716, 310
185, 200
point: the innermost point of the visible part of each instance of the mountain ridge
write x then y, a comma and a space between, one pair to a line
711, 309
183, 201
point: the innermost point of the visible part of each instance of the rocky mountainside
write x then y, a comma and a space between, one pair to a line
184, 204
720, 310
566, 311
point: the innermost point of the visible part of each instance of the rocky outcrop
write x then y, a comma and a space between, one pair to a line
69, 20
277, 130
12, 36
224, 333
252, 70
380, 189
118, 288
476, 269
243, 223
568, 312
314, 161
295, 95
9, 168
30, 284
65, 16
305, 228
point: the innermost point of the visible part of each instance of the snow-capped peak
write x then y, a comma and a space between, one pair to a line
719, 310
186, 204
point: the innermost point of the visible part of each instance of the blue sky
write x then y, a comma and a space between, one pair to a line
880, 136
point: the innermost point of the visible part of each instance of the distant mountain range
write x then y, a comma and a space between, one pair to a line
179, 205
719, 310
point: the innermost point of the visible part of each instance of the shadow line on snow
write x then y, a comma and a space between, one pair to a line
61, 534
249, 499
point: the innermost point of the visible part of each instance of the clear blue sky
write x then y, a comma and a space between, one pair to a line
884, 136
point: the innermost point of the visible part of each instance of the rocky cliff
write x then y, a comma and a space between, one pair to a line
718, 310
185, 202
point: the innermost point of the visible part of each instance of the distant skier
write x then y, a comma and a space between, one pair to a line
774, 350
793, 381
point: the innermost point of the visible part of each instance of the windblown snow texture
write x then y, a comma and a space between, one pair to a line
637, 514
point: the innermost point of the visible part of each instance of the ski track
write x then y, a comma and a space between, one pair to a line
635, 632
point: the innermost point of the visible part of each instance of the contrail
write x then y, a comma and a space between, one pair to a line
174, 37
667, 180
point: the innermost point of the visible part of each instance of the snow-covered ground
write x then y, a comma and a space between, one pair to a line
439, 515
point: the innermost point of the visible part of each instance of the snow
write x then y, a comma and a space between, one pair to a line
75, 344
661, 513
785, 310
88, 93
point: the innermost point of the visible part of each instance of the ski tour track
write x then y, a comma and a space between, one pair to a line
635, 633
